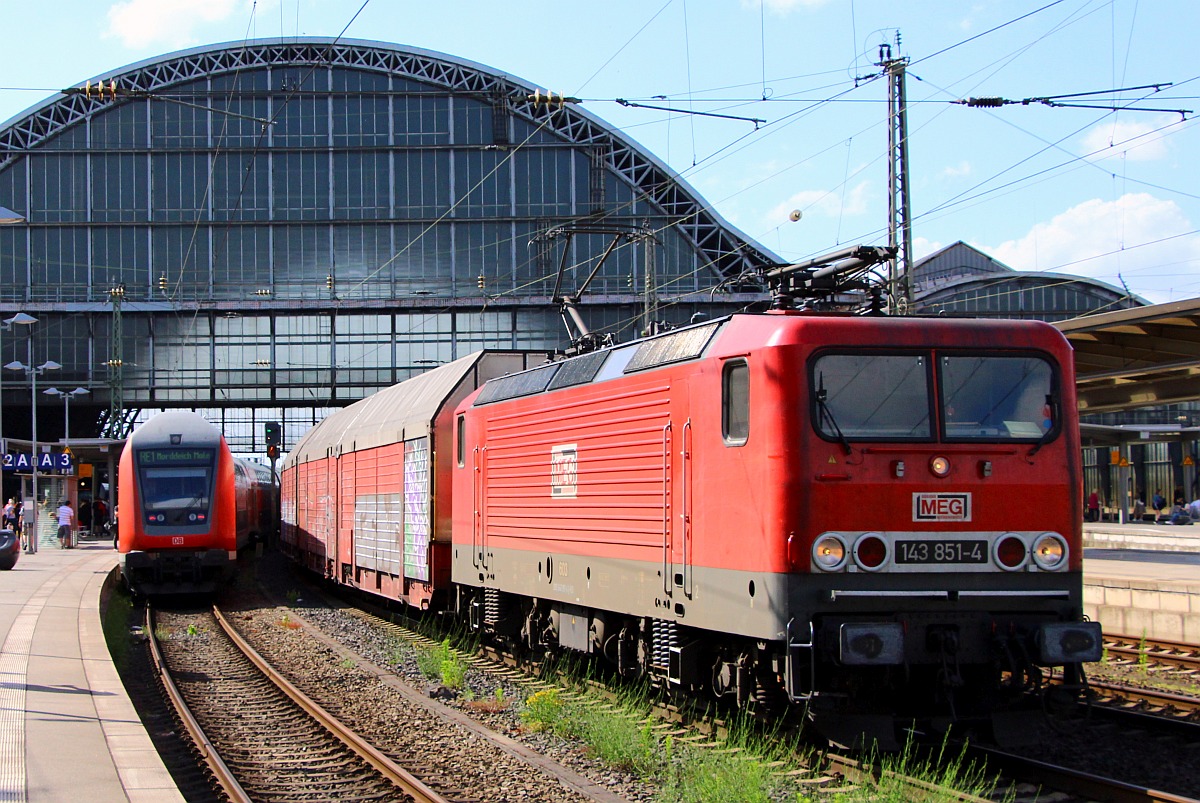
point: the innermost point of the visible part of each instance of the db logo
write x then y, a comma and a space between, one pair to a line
942, 507
564, 471
177, 540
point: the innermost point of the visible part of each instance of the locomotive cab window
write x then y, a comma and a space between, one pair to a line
175, 485
735, 403
997, 398
871, 396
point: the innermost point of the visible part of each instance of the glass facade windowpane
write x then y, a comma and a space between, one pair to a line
361, 185
120, 255
57, 188
181, 254
301, 185
180, 186
59, 264
421, 120
122, 126
119, 188
240, 186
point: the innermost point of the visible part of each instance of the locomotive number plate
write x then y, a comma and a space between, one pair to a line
964, 551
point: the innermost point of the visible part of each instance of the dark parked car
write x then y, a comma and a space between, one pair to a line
10, 549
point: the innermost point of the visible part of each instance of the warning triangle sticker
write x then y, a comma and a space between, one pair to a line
833, 459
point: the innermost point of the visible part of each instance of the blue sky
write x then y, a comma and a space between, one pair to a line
1107, 194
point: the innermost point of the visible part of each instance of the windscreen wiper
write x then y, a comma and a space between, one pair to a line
821, 395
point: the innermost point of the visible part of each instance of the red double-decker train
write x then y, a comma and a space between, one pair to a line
876, 517
187, 506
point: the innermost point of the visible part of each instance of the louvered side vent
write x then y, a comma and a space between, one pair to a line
662, 638
494, 608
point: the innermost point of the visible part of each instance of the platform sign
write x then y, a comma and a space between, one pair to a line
47, 461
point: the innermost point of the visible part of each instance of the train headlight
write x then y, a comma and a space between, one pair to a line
871, 643
829, 553
940, 466
1010, 552
1069, 643
1049, 552
870, 552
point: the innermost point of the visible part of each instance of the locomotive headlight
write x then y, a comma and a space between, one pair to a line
940, 466
829, 553
1049, 552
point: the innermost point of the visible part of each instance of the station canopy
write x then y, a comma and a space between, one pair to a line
1141, 357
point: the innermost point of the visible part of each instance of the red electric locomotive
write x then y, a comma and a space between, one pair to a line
877, 517
186, 506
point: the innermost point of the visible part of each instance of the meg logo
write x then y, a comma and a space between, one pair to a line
942, 507
564, 471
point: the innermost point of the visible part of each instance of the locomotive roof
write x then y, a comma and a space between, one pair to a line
406, 410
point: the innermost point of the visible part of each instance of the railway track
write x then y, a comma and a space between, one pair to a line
1162, 660
262, 738
1039, 776
1153, 652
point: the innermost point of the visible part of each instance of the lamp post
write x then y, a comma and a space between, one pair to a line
7, 217
66, 395
49, 365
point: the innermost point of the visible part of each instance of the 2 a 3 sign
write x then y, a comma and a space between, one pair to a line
47, 461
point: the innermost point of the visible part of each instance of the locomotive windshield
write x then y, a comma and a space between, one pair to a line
175, 485
891, 397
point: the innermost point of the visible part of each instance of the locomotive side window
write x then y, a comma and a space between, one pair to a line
735, 403
875, 396
996, 398
460, 436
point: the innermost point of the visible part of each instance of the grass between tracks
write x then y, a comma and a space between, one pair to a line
748, 766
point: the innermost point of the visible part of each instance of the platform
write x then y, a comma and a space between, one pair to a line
68, 731
1143, 579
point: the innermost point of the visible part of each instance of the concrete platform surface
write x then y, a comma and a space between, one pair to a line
1143, 579
68, 731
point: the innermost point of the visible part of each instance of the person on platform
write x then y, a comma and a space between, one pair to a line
10, 515
65, 516
1093, 505
1194, 509
1139, 509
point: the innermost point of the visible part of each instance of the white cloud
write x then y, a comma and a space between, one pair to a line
1125, 239
783, 7
957, 171
923, 247
1138, 140
142, 23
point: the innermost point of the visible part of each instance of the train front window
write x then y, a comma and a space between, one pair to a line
996, 398
871, 397
175, 485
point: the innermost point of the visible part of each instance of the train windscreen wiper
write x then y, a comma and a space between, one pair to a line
821, 396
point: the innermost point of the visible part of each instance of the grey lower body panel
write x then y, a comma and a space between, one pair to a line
760, 604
